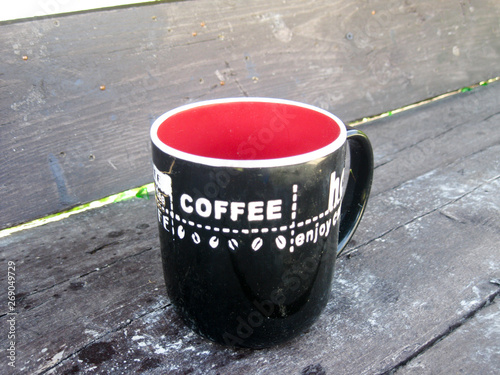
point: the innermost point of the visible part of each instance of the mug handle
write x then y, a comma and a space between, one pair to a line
358, 185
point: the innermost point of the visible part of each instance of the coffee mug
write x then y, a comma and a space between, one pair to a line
254, 203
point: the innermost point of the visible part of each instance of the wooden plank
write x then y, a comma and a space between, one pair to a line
80, 143
479, 343
65, 274
422, 146
98, 244
92, 295
408, 147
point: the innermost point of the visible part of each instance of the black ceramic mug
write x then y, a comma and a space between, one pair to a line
255, 201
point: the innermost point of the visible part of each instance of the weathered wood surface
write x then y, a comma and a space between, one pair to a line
417, 291
64, 141
476, 346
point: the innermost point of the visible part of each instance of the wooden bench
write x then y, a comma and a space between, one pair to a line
417, 290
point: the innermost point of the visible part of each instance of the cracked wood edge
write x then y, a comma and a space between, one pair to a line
479, 340
430, 343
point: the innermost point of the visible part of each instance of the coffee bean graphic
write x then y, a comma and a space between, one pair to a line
214, 242
196, 238
257, 243
181, 232
281, 242
233, 244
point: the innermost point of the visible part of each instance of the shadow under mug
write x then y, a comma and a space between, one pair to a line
255, 202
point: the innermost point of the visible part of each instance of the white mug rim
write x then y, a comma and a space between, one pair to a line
248, 163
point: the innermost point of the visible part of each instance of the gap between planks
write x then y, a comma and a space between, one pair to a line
350, 252
146, 190
447, 332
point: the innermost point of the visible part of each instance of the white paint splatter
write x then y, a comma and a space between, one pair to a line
91, 332
278, 26
220, 76
471, 304
53, 361
35, 98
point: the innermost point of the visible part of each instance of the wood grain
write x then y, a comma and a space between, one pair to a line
478, 340
78, 93
416, 280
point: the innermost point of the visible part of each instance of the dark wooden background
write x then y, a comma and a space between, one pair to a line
64, 141
417, 290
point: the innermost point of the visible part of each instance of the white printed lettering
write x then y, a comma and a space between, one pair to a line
255, 211
274, 209
335, 195
203, 207
220, 207
237, 208
300, 239
184, 199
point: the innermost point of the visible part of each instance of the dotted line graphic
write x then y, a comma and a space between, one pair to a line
280, 240
190, 223
248, 231
294, 216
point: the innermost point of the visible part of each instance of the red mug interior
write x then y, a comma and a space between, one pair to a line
248, 130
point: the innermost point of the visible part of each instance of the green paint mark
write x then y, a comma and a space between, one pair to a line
142, 192
365, 120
